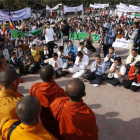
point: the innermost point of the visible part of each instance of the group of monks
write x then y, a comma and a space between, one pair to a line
48, 113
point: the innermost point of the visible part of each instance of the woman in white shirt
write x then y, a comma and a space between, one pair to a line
57, 64
83, 49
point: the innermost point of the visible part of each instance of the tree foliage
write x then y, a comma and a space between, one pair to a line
19, 4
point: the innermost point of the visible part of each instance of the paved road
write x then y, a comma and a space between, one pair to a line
117, 109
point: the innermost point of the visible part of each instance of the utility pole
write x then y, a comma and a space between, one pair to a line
8, 7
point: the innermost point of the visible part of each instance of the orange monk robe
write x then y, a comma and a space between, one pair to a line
17, 93
46, 93
76, 120
8, 101
26, 132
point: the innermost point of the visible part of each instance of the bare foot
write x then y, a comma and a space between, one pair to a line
85, 80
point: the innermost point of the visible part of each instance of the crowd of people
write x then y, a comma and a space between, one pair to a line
50, 112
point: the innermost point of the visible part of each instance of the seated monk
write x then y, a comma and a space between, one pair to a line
8, 98
28, 127
5, 65
76, 120
46, 92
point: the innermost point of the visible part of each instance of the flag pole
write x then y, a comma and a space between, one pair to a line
8, 7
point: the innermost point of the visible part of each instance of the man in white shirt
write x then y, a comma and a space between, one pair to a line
80, 66
109, 59
83, 49
132, 59
49, 37
116, 73
57, 64
64, 56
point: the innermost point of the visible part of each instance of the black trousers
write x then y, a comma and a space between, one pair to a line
94, 78
128, 85
50, 46
113, 81
59, 73
105, 49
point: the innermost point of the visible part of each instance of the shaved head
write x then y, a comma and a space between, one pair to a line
7, 77
28, 109
46, 73
75, 89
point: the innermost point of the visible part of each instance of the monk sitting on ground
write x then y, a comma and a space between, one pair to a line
29, 127
76, 120
8, 98
46, 92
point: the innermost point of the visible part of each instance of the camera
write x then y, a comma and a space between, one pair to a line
105, 30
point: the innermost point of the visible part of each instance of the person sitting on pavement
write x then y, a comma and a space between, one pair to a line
46, 92
97, 70
83, 49
8, 95
132, 59
57, 64
71, 50
80, 66
109, 59
76, 120
88, 43
28, 126
64, 56
116, 73
44, 56
134, 78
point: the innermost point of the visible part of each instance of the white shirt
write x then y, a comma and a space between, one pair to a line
84, 62
49, 33
122, 70
6, 54
85, 49
59, 62
64, 54
34, 28
129, 58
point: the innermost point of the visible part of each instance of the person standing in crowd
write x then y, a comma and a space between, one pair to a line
132, 59
116, 73
73, 112
71, 50
80, 66
134, 78
108, 38
28, 125
64, 56
49, 37
97, 70
133, 37
65, 30
8, 97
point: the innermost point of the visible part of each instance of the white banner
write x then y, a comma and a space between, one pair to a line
50, 9
121, 43
96, 5
73, 9
124, 8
